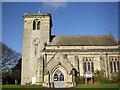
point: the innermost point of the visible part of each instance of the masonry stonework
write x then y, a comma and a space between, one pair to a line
55, 61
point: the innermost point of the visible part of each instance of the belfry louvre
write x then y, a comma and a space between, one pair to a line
55, 61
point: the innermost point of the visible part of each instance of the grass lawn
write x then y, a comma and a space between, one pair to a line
114, 85
78, 86
21, 86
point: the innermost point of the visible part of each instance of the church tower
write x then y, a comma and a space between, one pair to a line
37, 31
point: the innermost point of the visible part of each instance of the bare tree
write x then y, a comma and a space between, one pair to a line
8, 58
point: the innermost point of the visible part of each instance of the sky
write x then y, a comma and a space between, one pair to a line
69, 18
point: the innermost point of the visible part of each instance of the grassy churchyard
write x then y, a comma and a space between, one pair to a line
21, 86
113, 85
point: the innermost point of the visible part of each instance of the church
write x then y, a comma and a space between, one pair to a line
55, 61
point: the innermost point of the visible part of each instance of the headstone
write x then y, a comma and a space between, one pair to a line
33, 80
15, 81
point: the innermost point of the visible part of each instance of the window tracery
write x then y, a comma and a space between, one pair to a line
114, 64
88, 64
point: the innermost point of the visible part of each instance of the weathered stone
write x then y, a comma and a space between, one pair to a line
42, 56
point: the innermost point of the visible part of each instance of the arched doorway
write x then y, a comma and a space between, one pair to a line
59, 79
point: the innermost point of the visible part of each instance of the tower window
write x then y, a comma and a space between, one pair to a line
36, 24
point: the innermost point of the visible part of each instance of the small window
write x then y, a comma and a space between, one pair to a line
114, 66
89, 59
36, 24
118, 65
88, 66
111, 68
86, 59
61, 77
84, 67
35, 51
92, 66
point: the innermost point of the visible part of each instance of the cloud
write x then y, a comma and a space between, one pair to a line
55, 5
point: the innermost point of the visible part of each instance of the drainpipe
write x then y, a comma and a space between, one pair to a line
49, 79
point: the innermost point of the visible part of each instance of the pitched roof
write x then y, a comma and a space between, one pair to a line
87, 40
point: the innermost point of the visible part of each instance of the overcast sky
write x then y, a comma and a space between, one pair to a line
93, 18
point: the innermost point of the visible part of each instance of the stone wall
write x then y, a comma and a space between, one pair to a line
31, 52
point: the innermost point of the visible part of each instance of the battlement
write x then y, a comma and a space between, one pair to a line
36, 14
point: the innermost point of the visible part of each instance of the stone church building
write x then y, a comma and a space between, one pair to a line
55, 61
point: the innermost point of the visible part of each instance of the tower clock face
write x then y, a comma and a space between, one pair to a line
36, 41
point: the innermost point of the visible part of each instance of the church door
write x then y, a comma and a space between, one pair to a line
59, 79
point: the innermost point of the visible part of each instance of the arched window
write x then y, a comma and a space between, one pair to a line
111, 67
61, 77
114, 64
58, 76
88, 64
118, 65
38, 25
55, 77
84, 67
92, 66
34, 25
